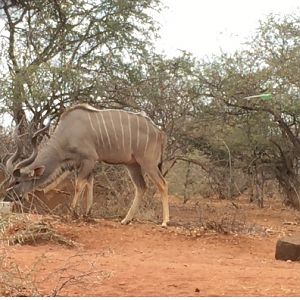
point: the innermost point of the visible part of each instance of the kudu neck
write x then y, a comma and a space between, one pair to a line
51, 161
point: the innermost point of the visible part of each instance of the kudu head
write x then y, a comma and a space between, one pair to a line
20, 180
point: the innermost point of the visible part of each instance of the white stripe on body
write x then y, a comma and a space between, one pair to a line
93, 128
147, 137
138, 132
122, 129
114, 129
141, 113
99, 126
106, 131
156, 137
129, 126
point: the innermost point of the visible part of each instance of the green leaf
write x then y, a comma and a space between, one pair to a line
265, 97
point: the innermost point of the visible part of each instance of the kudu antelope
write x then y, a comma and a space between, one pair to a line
85, 135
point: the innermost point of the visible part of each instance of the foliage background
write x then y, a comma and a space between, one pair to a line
57, 53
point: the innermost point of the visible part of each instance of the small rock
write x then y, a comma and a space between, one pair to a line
288, 248
289, 223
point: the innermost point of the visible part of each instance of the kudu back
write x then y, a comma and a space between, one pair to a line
85, 136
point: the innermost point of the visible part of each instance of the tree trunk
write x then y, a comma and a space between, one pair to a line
291, 187
19, 117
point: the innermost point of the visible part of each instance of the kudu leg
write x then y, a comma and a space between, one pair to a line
162, 185
79, 188
137, 178
89, 195
84, 179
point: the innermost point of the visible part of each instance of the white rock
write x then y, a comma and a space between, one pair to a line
5, 207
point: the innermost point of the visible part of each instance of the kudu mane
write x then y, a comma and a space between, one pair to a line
90, 108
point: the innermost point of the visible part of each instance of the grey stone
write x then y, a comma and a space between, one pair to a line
288, 248
5, 207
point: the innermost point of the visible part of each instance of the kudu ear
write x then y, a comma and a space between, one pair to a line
37, 172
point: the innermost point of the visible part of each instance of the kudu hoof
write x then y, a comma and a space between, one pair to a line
165, 224
74, 215
89, 219
125, 222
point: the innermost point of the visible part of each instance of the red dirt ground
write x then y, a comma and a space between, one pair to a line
143, 259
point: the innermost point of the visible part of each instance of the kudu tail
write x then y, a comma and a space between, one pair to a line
163, 144
160, 164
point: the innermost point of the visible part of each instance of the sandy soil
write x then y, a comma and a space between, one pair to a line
143, 259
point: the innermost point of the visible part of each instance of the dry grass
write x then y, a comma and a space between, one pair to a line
16, 281
77, 270
21, 229
37, 279
202, 217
